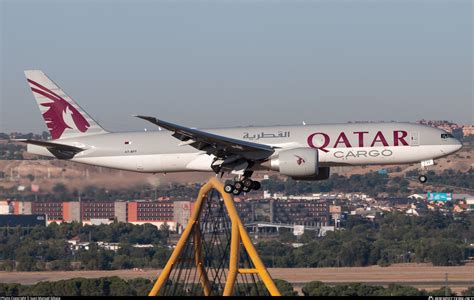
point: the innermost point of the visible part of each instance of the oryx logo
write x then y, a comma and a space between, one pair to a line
60, 114
299, 160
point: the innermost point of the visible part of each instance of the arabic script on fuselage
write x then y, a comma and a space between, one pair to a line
263, 135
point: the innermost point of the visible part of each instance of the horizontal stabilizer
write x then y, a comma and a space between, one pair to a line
61, 151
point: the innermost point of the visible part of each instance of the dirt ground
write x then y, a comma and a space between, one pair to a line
423, 276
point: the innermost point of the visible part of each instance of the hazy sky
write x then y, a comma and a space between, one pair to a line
226, 63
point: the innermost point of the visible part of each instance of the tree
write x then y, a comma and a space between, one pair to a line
355, 253
26, 263
317, 288
443, 291
119, 287
160, 257
286, 236
468, 292
121, 262
10, 289
285, 288
165, 229
445, 253
30, 177
60, 188
61, 264
400, 290
141, 286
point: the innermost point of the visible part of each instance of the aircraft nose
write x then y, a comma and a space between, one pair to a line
458, 144
452, 146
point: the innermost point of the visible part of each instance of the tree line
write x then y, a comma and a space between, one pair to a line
115, 286
317, 288
46, 248
436, 238
372, 183
450, 177
442, 239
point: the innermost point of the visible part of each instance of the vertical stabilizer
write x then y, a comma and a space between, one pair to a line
63, 117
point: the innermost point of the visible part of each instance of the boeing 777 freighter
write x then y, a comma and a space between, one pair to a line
303, 152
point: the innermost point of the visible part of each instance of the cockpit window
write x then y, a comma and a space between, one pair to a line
446, 135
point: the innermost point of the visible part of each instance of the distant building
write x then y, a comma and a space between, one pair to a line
52, 210
468, 130
22, 220
97, 210
102, 212
99, 221
5, 208
417, 196
469, 203
75, 244
336, 214
182, 213
412, 212
109, 246
461, 196
455, 129
301, 212
153, 212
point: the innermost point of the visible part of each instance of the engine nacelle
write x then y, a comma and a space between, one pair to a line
323, 174
298, 162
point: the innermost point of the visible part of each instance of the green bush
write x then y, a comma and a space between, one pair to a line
106, 286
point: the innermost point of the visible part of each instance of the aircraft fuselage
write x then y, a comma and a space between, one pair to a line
348, 144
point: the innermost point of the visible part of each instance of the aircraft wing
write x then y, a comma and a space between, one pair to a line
220, 146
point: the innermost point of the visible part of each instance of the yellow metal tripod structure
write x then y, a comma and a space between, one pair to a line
239, 237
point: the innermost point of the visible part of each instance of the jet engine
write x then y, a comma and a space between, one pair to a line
323, 174
298, 162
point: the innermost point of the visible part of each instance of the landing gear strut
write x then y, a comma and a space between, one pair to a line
424, 165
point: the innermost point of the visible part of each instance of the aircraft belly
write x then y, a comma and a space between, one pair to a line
201, 163
153, 163
379, 155
174, 162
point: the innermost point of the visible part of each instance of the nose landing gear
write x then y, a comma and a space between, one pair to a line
422, 178
424, 165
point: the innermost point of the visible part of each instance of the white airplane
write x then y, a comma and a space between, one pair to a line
304, 152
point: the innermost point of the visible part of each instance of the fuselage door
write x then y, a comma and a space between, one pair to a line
139, 163
414, 138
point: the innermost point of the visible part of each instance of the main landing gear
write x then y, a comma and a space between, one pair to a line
245, 185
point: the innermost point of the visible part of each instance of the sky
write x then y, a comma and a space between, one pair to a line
235, 63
